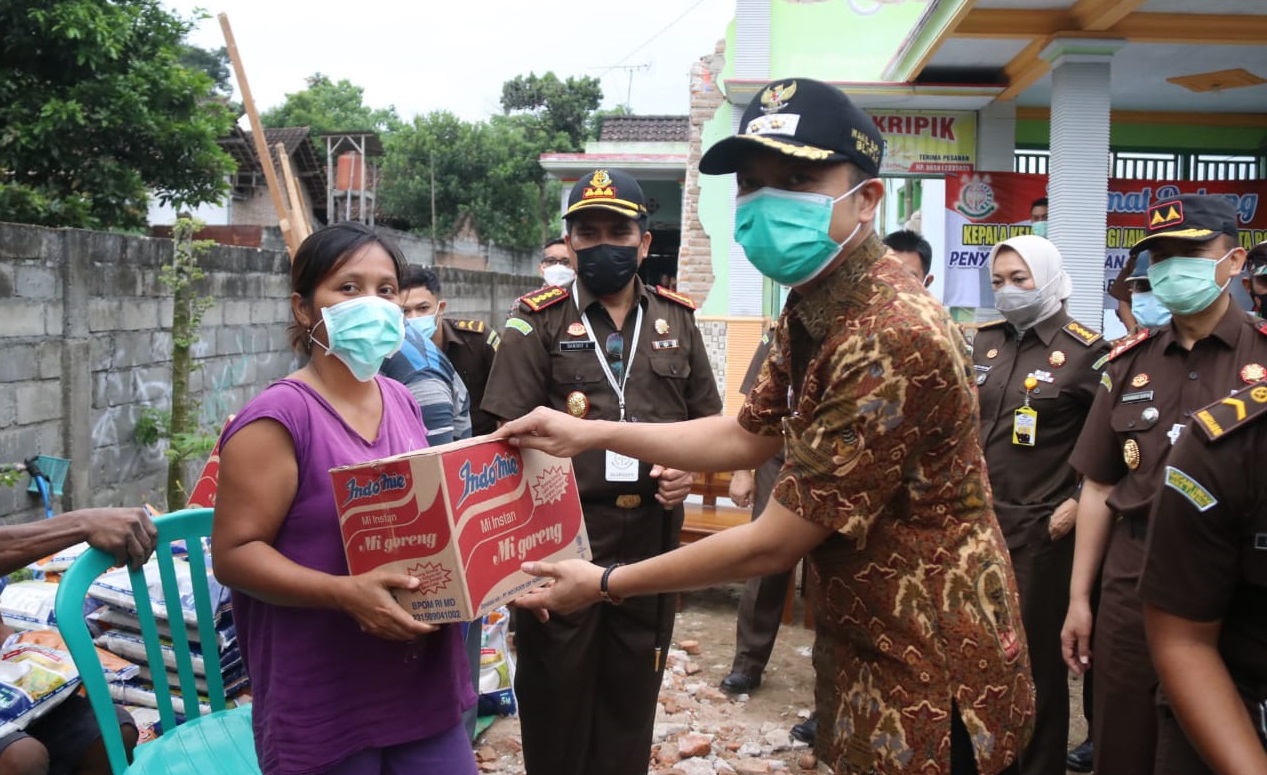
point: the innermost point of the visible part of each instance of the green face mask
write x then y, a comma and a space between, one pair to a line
1186, 285
1040, 229
786, 234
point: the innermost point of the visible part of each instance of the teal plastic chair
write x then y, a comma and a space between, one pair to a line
221, 741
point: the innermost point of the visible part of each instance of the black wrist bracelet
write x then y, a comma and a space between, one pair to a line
602, 585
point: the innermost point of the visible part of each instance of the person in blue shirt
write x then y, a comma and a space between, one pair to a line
423, 368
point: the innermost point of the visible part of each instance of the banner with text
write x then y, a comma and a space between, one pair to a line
983, 209
927, 141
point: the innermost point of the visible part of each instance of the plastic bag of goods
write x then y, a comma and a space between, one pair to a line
116, 668
33, 681
115, 588
497, 667
28, 605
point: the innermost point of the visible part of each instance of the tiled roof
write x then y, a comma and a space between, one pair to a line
669, 129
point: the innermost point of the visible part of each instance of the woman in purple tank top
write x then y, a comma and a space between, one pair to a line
345, 682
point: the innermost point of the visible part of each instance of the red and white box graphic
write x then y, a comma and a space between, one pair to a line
461, 518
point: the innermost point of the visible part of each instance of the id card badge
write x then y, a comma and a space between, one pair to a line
1025, 426
621, 468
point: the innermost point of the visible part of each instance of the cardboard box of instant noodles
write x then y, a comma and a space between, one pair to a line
461, 518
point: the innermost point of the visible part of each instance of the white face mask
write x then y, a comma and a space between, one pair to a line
558, 274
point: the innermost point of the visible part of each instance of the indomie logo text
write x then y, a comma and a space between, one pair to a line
384, 483
499, 468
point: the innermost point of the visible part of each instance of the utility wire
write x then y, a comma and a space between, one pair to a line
653, 38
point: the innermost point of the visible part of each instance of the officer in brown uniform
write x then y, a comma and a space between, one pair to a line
471, 346
608, 348
1037, 372
1155, 379
1204, 588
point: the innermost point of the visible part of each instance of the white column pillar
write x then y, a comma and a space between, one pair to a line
1078, 183
996, 137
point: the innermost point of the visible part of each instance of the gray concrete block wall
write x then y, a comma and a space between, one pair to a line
84, 350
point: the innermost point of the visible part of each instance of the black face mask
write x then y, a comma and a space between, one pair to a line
605, 269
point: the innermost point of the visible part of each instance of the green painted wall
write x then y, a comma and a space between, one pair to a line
1143, 137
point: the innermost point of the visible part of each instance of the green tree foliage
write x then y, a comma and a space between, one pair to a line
562, 107
326, 106
96, 109
212, 61
479, 172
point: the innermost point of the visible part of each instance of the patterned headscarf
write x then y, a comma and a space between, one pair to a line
1046, 266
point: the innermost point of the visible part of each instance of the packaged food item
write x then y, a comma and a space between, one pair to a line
28, 605
33, 680
115, 588
461, 518
116, 668
497, 666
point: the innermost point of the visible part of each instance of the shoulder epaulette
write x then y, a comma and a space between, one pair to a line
546, 297
470, 326
1085, 336
1227, 414
672, 295
986, 325
1131, 341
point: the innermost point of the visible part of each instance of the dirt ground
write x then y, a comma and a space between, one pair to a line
745, 736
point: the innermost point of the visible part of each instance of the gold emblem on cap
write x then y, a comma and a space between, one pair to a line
776, 97
1057, 358
576, 329
661, 326
1253, 372
1139, 380
578, 404
1130, 453
600, 186
993, 352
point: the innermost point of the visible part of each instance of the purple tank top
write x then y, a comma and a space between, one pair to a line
323, 689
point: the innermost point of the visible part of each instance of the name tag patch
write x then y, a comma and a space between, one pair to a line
1189, 488
1141, 395
584, 344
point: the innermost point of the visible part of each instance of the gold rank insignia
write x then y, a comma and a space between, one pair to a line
1083, 334
539, 300
1057, 358
474, 326
661, 326
672, 295
1130, 454
1227, 414
1139, 380
578, 404
993, 352
1253, 372
576, 329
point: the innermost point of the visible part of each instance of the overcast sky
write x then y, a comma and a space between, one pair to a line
424, 55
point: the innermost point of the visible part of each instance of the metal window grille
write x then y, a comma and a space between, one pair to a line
1133, 165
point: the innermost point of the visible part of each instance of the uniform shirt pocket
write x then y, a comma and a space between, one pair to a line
1134, 418
671, 366
579, 369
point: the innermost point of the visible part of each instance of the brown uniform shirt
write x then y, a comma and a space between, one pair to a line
917, 610
1029, 482
1207, 542
1149, 391
471, 346
547, 359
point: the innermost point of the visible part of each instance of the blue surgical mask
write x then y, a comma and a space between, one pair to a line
424, 325
1040, 229
1186, 284
362, 332
1148, 310
787, 234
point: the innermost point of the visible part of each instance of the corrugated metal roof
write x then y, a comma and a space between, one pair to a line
671, 129
305, 161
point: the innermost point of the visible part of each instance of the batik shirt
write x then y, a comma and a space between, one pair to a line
917, 611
